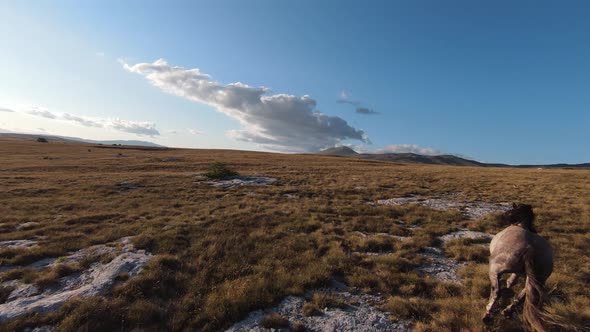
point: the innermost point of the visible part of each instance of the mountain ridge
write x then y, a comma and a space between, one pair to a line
443, 159
58, 138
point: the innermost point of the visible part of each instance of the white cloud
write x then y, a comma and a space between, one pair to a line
142, 128
134, 127
8, 110
408, 148
42, 113
83, 121
276, 121
195, 131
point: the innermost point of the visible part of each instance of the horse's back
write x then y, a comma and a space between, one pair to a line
512, 239
508, 248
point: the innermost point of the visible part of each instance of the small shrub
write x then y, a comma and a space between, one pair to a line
446, 289
327, 300
220, 171
298, 327
52, 277
26, 274
311, 309
123, 276
308, 226
4, 293
322, 300
414, 308
464, 250
144, 313
92, 314
274, 321
42, 140
377, 244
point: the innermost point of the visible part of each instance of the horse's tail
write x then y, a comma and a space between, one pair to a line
535, 294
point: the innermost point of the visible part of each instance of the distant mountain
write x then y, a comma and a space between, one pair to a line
584, 165
422, 159
339, 151
124, 142
55, 138
413, 158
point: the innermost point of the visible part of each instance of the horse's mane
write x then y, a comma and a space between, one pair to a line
521, 214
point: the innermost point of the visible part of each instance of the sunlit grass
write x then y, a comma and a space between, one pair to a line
221, 253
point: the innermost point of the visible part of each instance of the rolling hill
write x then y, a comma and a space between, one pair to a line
446, 159
54, 138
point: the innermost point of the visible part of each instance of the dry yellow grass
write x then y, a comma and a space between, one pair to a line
222, 253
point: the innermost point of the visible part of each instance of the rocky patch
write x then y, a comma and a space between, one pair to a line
471, 210
443, 268
242, 181
439, 266
359, 315
466, 234
13, 244
95, 280
395, 237
27, 225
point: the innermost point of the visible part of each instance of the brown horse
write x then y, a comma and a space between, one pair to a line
520, 251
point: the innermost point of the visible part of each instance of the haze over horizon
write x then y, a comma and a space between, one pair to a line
497, 82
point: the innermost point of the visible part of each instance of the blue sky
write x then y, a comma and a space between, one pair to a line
501, 81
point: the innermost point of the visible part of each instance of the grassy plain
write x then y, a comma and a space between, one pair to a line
222, 253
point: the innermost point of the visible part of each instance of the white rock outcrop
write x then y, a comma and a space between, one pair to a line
18, 244
243, 181
95, 280
361, 316
471, 210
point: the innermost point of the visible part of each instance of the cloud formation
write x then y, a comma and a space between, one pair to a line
83, 121
195, 132
275, 121
42, 113
408, 148
142, 128
345, 99
8, 110
364, 110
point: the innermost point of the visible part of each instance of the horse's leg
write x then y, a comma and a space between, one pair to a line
512, 280
517, 301
494, 295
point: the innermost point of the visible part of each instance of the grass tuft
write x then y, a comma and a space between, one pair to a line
5, 292
274, 321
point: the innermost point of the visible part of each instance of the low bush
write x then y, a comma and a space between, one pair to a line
4, 293
219, 171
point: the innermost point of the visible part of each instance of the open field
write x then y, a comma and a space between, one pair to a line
220, 253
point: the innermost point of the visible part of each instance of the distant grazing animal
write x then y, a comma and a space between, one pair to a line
519, 250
